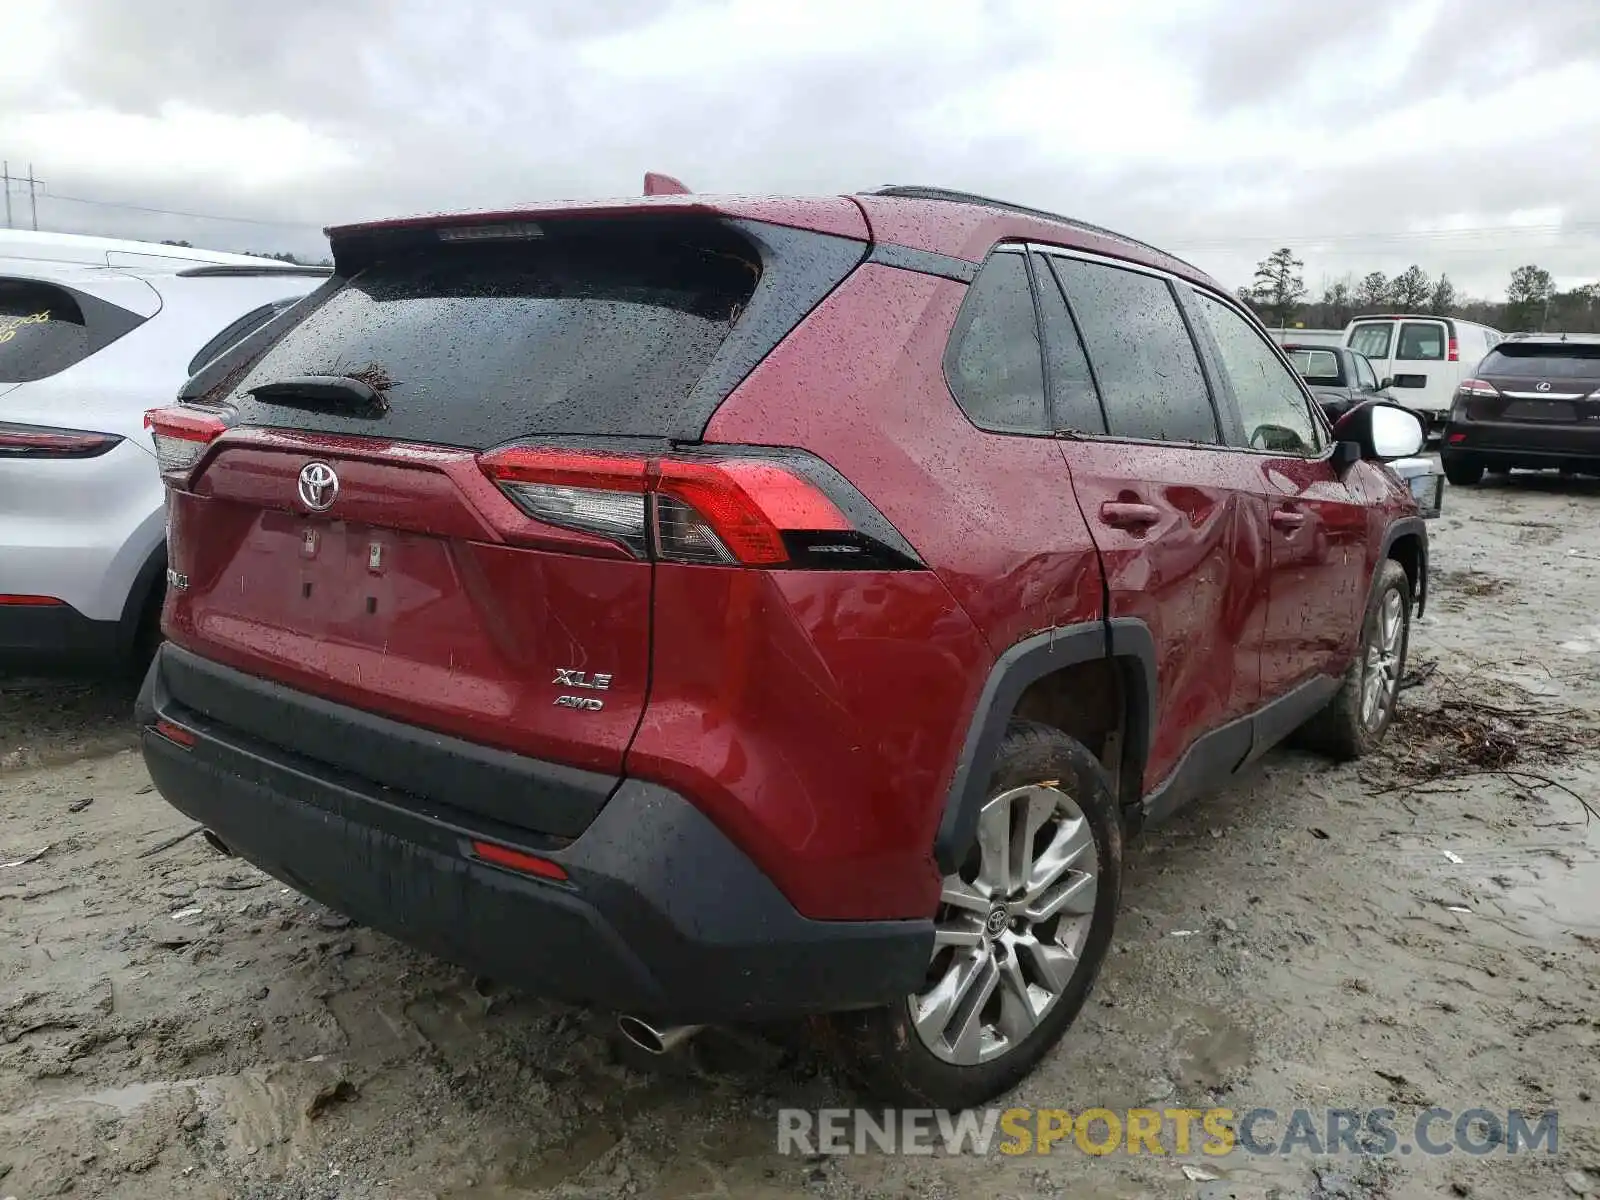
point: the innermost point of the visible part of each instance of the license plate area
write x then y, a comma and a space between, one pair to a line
1540, 410
353, 580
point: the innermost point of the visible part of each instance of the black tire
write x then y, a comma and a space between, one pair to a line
1462, 472
882, 1049
1339, 730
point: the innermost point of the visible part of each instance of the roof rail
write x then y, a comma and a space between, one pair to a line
212, 269
921, 192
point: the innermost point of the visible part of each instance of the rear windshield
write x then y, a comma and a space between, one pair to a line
1576, 360
1372, 339
45, 329
474, 344
1319, 366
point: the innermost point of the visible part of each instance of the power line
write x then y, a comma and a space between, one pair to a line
174, 212
1464, 234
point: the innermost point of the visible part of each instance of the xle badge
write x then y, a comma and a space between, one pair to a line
573, 678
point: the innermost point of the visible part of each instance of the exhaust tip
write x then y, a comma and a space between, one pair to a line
216, 843
652, 1040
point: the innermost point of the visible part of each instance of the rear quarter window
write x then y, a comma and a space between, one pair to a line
994, 365
44, 329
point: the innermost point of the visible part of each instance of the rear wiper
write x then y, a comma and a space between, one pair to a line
324, 391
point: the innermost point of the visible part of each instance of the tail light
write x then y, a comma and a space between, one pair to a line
181, 437
1454, 351
38, 441
1478, 387
741, 507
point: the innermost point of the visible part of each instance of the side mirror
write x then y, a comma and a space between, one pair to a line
1386, 383
1382, 431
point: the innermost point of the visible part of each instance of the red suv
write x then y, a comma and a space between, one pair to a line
727, 609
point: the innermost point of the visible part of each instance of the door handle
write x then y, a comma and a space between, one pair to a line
1125, 515
1287, 518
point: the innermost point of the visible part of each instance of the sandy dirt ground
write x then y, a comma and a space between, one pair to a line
1419, 929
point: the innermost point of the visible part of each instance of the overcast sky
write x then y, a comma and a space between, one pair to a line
1461, 135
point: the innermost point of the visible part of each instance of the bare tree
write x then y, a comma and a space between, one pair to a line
1278, 287
1339, 301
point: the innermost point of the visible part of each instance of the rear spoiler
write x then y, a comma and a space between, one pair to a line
358, 246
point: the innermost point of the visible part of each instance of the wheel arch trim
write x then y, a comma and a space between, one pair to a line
1126, 641
1408, 527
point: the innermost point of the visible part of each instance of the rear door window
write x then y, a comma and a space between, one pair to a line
1277, 416
1372, 338
1421, 341
44, 329
478, 343
1143, 357
994, 365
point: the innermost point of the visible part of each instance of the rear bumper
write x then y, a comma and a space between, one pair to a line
47, 635
660, 915
1499, 443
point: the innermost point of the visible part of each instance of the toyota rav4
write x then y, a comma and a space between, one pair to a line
719, 610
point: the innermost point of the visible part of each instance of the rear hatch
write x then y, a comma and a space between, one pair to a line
1537, 383
353, 522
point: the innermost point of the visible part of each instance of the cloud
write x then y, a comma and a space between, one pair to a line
1368, 135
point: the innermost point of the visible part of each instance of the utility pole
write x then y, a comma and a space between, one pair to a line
5, 174
33, 198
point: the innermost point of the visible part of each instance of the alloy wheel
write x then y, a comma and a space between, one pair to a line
1381, 673
1011, 927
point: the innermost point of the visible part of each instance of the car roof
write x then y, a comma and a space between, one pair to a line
124, 254
954, 224
1317, 346
1554, 339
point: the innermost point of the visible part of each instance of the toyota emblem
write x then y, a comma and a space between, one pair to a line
319, 486
1542, 386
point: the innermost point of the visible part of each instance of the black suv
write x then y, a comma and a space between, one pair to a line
1535, 402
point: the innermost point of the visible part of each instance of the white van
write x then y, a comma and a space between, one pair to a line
1426, 357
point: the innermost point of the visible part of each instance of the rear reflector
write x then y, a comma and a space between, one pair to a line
174, 733
181, 436
516, 860
1478, 387
755, 509
30, 601
31, 441
1457, 437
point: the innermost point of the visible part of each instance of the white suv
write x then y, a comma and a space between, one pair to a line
93, 332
